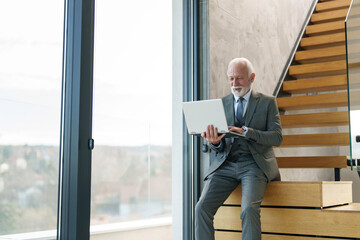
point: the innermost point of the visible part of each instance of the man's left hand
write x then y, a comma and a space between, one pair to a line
236, 129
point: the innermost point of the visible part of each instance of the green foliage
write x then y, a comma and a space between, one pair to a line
9, 216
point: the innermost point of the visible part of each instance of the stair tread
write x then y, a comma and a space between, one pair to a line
310, 85
318, 69
316, 140
315, 119
325, 28
323, 40
312, 162
329, 100
339, 14
322, 53
332, 5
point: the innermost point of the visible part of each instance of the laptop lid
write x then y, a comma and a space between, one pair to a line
200, 114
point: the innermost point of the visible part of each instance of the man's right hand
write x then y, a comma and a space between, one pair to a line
211, 135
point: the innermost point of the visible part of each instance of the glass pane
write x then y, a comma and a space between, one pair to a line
30, 96
353, 67
131, 179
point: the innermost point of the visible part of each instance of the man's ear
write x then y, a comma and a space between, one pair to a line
252, 77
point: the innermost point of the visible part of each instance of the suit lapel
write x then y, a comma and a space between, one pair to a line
253, 101
228, 103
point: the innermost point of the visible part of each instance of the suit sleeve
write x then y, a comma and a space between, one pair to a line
218, 148
272, 136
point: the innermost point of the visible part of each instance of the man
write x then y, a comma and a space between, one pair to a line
247, 160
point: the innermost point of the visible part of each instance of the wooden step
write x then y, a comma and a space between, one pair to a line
324, 119
321, 55
335, 15
313, 162
311, 85
316, 140
328, 40
312, 70
329, 100
230, 235
332, 5
310, 222
290, 208
301, 194
325, 28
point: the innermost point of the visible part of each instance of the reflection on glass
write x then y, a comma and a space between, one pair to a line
131, 178
30, 91
352, 27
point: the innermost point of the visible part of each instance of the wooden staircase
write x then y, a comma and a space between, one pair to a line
317, 82
310, 98
296, 211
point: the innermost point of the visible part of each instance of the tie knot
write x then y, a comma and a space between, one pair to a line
241, 99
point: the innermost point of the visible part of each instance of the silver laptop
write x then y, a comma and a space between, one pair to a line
200, 114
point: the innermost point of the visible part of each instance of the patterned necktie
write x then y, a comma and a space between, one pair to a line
239, 110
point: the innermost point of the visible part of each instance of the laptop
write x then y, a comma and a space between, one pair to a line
200, 114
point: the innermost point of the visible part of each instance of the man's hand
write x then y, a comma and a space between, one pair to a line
236, 129
211, 135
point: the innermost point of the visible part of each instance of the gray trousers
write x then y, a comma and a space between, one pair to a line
219, 185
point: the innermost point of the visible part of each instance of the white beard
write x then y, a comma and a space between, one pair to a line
242, 92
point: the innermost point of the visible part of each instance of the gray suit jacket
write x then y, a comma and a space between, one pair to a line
263, 122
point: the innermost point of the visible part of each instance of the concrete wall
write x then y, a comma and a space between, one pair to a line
264, 31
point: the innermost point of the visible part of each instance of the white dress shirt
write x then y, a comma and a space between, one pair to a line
245, 104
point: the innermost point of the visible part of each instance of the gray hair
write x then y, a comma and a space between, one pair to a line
245, 61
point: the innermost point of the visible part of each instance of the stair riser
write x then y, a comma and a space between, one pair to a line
312, 162
313, 222
318, 194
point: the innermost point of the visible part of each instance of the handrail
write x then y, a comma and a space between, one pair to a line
348, 14
294, 49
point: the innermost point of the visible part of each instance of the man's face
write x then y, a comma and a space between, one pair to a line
239, 80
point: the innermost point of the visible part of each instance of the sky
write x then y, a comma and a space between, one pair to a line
132, 72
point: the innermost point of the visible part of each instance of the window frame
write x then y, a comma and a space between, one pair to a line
76, 121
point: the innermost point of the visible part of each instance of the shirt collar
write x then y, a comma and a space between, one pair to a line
246, 96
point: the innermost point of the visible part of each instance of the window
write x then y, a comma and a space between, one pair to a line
131, 176
30, 92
